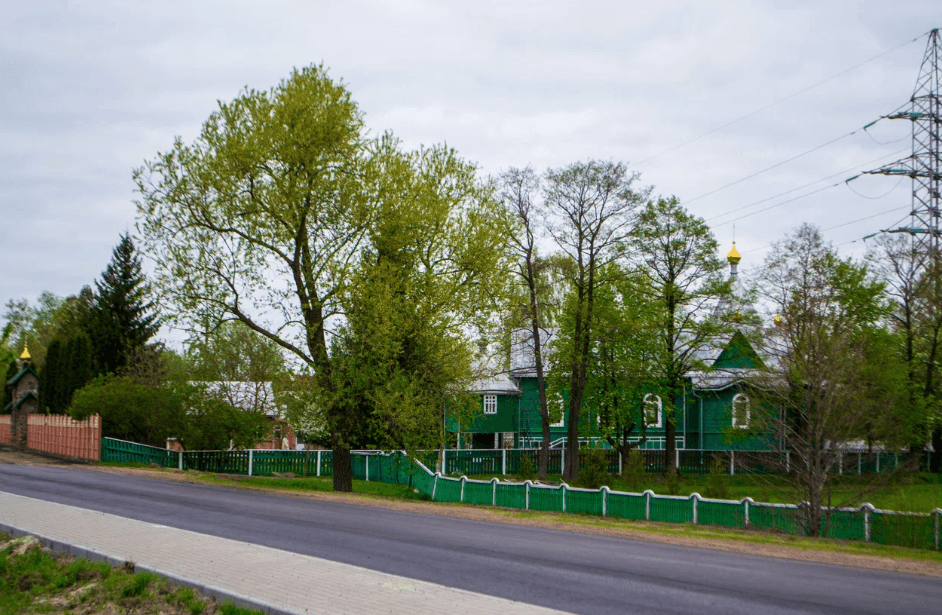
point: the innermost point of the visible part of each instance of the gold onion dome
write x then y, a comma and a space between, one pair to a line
25, 356
733, 257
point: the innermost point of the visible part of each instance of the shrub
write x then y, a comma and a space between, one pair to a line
594, 469
716, 483
526, 468
633, 470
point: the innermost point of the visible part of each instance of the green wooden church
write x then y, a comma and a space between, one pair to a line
716, 400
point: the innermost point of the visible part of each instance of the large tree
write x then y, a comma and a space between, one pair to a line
833, 372
591, 207
268, 216
122, 317
520, 192
678, 257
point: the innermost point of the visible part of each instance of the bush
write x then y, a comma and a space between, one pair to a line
147, 414
594, 468
716, 483
130, 411
526, 468
633, 470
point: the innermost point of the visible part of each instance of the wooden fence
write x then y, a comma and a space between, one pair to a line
61, 435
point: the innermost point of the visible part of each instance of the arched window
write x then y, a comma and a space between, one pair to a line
741, 411
653, 416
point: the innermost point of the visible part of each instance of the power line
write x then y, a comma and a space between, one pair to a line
778, 204
774, 166
845, 171
769, 106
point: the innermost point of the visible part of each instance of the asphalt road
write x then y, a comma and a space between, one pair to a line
571, 572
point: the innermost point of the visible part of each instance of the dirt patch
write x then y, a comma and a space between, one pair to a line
8, 455
547, 521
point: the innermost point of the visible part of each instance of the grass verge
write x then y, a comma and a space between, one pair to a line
34, 579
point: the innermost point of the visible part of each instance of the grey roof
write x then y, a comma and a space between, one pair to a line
717, 380
522, 362
500, 384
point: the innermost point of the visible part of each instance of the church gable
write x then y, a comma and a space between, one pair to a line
738, 353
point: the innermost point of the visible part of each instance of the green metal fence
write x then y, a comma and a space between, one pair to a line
866, 523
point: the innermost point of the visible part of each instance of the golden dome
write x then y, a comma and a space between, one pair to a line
25, 356
733, 257
778, 320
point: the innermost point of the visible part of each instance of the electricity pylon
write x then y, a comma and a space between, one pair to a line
924, 166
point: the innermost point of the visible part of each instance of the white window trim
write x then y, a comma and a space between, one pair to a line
650, 398
490, 404
737, 398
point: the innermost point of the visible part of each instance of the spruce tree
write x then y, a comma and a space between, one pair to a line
12, 370
52, 376
123, 317
80, 365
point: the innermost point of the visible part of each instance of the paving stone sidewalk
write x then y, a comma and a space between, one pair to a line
268, 579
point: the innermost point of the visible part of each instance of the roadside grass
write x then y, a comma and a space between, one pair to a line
686, 530
34, 579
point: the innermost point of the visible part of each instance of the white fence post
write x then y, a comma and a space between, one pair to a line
937, 513
526, 502
180, 460
563, 487
494, 495
695, 498
318, 462
867, 509
604, 500
251, 458
732, 463
647, 504
368, 469
746, 502
463, 480
562, 461
435, 485
503, 463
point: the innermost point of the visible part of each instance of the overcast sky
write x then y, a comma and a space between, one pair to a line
89, 90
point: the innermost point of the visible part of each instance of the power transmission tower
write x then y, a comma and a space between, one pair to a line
924, 166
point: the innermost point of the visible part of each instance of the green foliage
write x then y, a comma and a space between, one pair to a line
234, 353
633, 470
716, 487
284, 204
526, 468
212, 424
594, 471
12, 370
53, 378
150, 414
131, 411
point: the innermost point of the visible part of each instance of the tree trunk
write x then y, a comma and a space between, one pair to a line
544, 453
343, 471
936, 458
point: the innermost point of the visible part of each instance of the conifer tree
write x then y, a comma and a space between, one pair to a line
79, 363
123, 318
12, 370
51, 378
